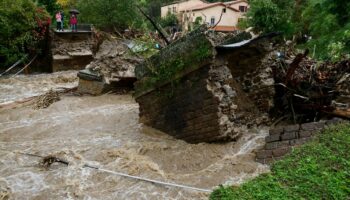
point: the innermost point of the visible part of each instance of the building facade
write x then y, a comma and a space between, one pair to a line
221, 16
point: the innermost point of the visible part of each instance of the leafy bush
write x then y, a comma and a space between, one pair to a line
51, 6
169, 21
23, 25
326, 22
267, 16
319, 170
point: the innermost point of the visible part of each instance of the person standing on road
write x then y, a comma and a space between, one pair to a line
62, 20
58, 21
73, 22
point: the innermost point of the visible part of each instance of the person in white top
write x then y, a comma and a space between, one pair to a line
58, 21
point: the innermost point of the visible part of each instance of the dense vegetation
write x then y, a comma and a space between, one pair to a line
119, 14
322, 26
23, 25
319, 170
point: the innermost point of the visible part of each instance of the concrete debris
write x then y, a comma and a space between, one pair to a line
45, 100
113, 60
113, 66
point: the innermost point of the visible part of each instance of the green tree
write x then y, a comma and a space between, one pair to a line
169, 21
267, 16
23, 26
118, 14
326, 23
51, 5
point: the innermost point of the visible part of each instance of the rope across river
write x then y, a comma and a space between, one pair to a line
53, 159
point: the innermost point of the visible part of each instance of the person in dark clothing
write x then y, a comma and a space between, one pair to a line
62, 20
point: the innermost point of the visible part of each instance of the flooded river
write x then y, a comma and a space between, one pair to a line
104, 132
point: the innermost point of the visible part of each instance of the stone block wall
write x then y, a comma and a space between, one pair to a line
200, 107
186, 111
71, 51
281, 140
251, 69
192, 89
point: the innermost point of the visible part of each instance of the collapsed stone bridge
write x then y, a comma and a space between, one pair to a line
206, 88
72, 50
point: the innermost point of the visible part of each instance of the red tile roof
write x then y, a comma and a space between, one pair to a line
234, 2
225, 28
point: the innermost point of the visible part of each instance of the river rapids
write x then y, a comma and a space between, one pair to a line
104, 131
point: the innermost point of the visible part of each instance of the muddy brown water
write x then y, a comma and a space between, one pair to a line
104, 131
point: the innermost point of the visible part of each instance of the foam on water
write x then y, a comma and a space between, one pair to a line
15, 88
104, 131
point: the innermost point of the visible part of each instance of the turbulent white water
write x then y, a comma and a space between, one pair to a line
104, 131
14, 88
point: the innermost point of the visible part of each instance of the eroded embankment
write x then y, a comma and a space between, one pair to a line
104, 131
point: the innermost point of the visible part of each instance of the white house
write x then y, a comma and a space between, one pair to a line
178, 6
224, 16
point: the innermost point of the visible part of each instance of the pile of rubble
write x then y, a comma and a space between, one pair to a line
309, 90
113, 66
45, 100
114, 60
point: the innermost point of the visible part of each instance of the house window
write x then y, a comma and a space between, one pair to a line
224, 10
174, 9
243, 8
169, 10
212, 21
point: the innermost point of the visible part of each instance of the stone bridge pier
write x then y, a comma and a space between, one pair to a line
201, 90
72, 50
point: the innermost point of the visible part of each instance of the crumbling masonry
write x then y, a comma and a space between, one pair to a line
200, 90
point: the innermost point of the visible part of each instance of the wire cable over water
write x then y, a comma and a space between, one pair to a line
117, 173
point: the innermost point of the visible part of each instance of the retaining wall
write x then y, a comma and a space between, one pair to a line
282, 140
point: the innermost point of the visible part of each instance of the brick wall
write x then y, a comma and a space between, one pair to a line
202, 106
281, 140
185, 110
209, 102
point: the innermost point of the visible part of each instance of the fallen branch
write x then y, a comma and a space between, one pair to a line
155, 26
294, 65
340, 113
